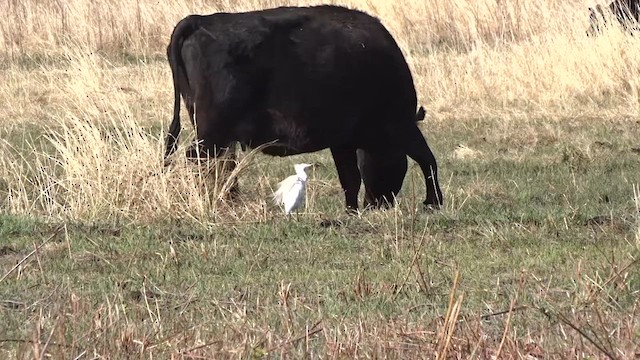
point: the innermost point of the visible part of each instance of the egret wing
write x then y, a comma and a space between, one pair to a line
295, 197
284, 187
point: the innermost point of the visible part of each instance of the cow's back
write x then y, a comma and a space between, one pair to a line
353, 55
311, 76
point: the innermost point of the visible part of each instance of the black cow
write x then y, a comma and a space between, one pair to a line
383, 173
308, 78
626, 12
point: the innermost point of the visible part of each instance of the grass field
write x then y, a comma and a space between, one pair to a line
536, 129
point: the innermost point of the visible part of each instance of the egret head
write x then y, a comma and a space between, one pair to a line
300, 168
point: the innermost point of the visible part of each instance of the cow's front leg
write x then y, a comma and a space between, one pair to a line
347, 166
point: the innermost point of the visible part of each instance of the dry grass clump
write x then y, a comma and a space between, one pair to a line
110, 173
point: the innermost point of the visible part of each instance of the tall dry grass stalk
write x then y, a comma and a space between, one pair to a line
636, 199
113, 172
94, 74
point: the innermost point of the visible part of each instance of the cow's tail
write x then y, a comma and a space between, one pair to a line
183, 30
420, 114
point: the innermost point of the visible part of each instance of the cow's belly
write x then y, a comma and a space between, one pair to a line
291, 135
279, 149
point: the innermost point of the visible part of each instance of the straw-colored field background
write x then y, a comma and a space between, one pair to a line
106, 253
470, 58
76, 67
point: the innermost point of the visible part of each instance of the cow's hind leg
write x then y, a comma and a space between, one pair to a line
347, 166
417, 148
207, 150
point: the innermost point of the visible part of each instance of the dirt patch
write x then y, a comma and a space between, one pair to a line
7, 250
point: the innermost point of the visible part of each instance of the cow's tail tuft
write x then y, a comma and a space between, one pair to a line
420, 114
183, 30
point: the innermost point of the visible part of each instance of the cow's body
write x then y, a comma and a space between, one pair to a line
626, 12
306, 79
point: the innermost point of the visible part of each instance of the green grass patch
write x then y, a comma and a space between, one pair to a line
550, 227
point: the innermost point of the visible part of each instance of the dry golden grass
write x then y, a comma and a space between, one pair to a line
526, 267
470, 58
82, 69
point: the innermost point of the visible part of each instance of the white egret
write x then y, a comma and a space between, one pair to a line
291, 191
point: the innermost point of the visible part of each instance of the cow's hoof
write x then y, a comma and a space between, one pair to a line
431, 208
331, 223
351, 211
378, 204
